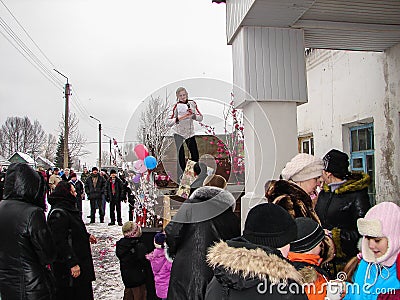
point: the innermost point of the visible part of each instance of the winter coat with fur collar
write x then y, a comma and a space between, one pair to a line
243, 270
339, 211
206, 217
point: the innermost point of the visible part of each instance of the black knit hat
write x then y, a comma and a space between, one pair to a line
94, 169
337, 162
309, 235
269, 225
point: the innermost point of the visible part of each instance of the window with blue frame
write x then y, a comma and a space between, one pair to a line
362, 153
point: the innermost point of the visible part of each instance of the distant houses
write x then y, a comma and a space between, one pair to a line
44, 163
20, 157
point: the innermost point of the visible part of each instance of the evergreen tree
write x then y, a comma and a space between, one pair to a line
60, 153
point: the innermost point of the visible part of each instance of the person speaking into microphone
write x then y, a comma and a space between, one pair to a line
182, 116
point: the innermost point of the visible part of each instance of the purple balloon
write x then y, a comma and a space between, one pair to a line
136, 179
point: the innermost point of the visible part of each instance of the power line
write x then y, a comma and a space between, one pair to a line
37, 46
26, 49
37, 68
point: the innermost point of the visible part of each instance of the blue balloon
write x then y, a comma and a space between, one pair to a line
150, 162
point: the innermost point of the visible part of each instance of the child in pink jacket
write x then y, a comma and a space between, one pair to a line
161, 266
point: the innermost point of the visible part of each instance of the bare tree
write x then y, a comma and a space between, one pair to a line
153, 128
128, 153
19, 134
105, 158
76, 140
50, 147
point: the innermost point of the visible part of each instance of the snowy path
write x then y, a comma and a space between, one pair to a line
108, 284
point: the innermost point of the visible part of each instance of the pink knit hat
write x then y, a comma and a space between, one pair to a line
303, 167
382, 220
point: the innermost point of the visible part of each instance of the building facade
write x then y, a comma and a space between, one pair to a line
353, 107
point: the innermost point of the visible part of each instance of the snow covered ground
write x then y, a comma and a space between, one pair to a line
108, 284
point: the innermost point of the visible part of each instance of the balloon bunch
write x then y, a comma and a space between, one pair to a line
146, 191
145, 161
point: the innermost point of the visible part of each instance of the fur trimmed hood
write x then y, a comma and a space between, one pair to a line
241, 264
356, 182
204, 204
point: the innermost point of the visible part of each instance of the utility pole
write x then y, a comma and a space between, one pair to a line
99, 140
67, 93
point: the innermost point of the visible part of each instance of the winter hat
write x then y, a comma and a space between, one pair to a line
215, 180
131, 229
94, 169
303, 167
337, 162
309, 235
159, 240
269, 225
112, 171
72, 175
382, 220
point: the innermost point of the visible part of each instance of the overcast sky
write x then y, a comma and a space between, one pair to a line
115, 54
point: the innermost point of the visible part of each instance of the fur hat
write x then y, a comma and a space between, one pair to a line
131, 229
309, 235
382, 220
73, 175
215, 180
303, 167
291, 197
159, 240
94, 169
112, 171
337, 163
269, 225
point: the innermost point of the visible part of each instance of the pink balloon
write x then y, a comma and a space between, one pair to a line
141, 151
139, 166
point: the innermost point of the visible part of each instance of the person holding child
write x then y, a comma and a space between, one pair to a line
160, 265
377, 270
131, 253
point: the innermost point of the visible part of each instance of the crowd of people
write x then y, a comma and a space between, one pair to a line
316, 236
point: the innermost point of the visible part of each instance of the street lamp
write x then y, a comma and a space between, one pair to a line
99, 140
110, 146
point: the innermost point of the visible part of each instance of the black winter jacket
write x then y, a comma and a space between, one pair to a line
119, 190
72, 242
27, 246
133, 263
95, 192
339, 211
205, 218
247, 271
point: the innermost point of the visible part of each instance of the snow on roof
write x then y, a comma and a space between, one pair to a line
45, 160
26, 157
3, 161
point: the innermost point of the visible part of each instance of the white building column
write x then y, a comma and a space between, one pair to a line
269, 75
